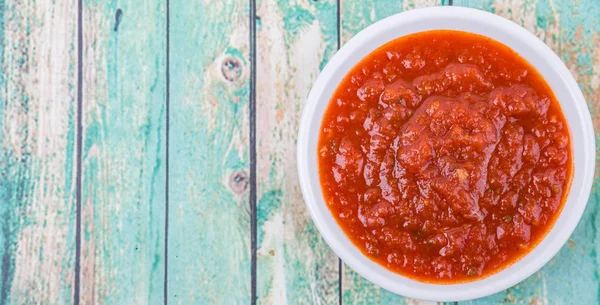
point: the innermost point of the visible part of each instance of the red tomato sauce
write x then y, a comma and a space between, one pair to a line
444, 156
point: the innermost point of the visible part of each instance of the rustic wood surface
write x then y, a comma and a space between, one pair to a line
294, 264
189, 112
37, 173
208, 258
123, 160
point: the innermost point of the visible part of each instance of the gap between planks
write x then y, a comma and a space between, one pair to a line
253, 184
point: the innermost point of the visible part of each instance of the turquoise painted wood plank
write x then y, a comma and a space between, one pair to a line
356, 15
123, 164
572, 29
37, 160
294, 41
209, 218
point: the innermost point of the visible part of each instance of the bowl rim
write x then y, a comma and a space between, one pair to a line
552, 241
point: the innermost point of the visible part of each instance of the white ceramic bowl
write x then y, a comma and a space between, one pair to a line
529, 47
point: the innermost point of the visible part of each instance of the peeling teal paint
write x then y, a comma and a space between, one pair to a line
209, 241
268, 204
329, 30
543, 13
123, 166
296, 18
584, 61
24, 171
308, 265
125, 145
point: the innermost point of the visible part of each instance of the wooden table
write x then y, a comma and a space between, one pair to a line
148, 150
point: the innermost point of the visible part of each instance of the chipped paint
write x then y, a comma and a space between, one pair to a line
124, 137
37, 161
209, 237
293, 40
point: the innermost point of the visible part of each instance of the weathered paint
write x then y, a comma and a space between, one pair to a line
123, 163
37, 106
294, 40
356, 15
124, 120
209, 220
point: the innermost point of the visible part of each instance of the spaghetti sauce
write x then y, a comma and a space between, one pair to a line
444, 156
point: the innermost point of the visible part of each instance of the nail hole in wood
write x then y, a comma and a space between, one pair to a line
118, 17
231, 68
239, 182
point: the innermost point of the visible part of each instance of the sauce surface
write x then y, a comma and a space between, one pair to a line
444, 156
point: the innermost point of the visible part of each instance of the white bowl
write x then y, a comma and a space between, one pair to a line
529, 47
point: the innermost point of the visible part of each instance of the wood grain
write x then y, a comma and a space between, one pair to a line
125, 146
209, 221
123, 208
356, 15
37, 106
572, 30
294, 41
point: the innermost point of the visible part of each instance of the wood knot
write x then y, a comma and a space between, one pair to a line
238, 182
231, 68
